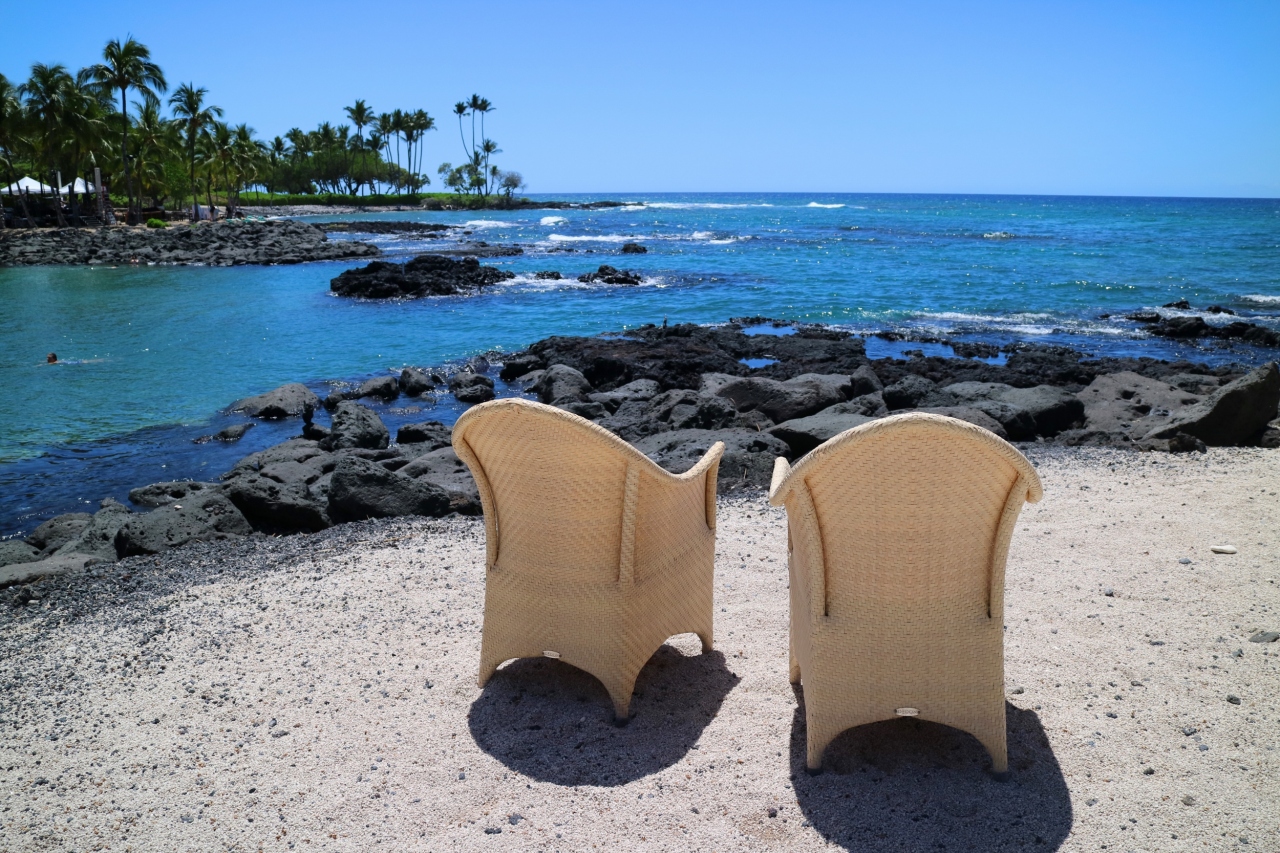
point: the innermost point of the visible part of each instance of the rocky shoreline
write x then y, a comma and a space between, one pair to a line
231, 243
672, 392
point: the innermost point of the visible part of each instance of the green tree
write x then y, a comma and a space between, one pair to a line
11, 121
128, 66
360, 117
460, 110
188, 105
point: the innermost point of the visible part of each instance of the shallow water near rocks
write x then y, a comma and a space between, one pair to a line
165, 349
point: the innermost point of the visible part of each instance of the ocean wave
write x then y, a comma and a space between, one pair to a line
829, 206
551, 220
594, 238
485, 223
961, 317
998, 235
1261, 299
529, 281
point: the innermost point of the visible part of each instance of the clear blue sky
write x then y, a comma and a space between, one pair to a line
1108, 98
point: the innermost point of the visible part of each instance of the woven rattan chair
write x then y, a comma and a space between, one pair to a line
898, 533
594, 554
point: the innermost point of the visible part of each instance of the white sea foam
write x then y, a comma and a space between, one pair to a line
528, 281
998, 235
593, 238
484, 223
960, 317
551, 220
1261, 299
829, 206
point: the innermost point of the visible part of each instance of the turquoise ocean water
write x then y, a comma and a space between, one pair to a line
164, 349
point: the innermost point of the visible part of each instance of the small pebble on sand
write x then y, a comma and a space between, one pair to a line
1223, 549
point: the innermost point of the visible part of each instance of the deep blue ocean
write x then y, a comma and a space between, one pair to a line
164, 350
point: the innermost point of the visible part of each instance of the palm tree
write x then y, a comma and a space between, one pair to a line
84, 125
155, 138
460, 110
10, 124
399, 127
128, 66
422, 122
361, 116
188, 105
46, 94
491, 172
474, 106
276, 153
484, 108
386, 129
246, 155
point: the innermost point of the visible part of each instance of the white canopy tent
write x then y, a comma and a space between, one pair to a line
28, 185
78, 186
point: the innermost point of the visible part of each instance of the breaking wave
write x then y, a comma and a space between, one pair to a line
594, 238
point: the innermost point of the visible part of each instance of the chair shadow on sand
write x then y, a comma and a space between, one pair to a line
554, 722
911, 785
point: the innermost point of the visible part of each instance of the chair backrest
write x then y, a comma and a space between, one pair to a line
914, 510
554, 488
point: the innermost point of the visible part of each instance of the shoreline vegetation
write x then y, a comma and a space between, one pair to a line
672, 392
80, 126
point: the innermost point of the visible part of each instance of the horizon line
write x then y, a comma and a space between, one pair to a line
907, 193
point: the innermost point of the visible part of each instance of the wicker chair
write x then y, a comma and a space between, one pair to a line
898, 534
594, 554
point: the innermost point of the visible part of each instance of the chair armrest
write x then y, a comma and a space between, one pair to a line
781, 467
707, 472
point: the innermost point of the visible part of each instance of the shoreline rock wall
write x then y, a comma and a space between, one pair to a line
231, 243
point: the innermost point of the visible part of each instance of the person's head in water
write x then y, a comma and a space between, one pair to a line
51, 358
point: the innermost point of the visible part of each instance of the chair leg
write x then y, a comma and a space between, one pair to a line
794, 665
999, 757
994, 737
620, 693
487, 668
490, 659
817, 739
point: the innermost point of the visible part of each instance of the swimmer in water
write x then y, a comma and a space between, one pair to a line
52, 358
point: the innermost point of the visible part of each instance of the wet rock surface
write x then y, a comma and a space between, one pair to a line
610, 275
673, 392
425, 275
287, 401
220, 244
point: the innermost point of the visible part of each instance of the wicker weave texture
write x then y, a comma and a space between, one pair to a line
899, 533
593, 552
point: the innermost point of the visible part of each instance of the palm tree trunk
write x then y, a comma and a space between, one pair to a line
124, 151
195, 188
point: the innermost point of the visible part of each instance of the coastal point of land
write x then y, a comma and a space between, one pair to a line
320, 691
230, 243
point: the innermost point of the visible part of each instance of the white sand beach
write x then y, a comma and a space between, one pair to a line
318, 693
